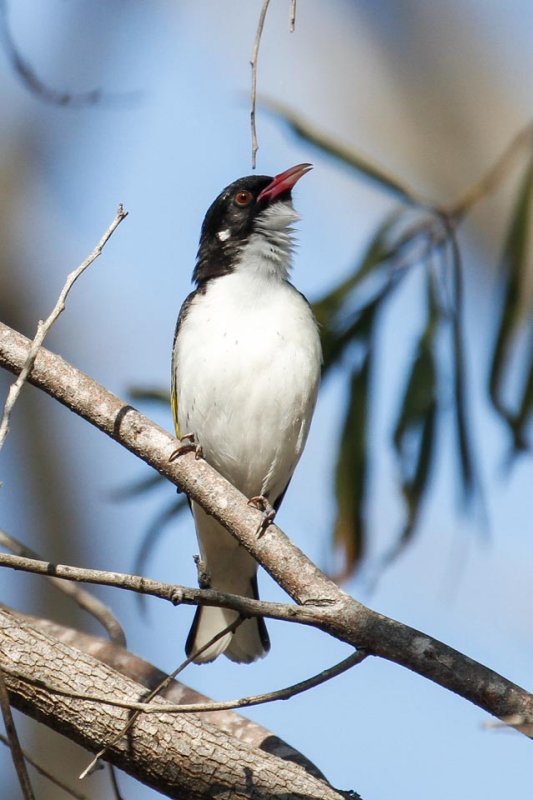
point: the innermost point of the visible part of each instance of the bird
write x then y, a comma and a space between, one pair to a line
246, 363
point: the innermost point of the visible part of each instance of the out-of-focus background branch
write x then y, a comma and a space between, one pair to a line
428, 96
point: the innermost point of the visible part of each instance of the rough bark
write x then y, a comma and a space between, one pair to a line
180, 756
141, 671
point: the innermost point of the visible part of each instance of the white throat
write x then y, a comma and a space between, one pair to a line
269, 249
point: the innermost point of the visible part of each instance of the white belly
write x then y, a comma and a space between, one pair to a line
247, 371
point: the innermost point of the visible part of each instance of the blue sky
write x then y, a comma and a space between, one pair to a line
433, 94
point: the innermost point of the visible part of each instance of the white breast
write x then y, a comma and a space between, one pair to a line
247, 362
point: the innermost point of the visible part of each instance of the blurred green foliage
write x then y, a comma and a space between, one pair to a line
421, 235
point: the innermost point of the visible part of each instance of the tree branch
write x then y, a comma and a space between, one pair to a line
335, 612
82, 597
292, 16
175, 594
141, 707
180, 755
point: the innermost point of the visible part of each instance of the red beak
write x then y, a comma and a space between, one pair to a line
284, 181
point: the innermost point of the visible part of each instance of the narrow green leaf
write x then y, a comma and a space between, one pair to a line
385, 260
357, 327
351, 474
418, 397
470, 482
525, 408
375, 255
149, 395
420, 388
415, 489
414, 433
514, 264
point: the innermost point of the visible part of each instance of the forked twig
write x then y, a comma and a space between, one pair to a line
43, 328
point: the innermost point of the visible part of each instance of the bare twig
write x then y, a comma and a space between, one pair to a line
48, 775
82, 597
253, 64
44, 327
292, 17
177, 595
515, 723
14, 745
193, 708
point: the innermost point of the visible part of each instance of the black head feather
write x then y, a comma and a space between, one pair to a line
228, 223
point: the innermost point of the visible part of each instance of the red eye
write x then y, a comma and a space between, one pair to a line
243, 198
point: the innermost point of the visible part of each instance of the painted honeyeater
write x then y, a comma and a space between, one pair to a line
245, 374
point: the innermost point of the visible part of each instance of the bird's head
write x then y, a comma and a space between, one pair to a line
249, 223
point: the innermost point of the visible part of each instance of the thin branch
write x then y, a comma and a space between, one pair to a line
44, 327
253, 64
192, 708
332, 610
14, 744
48, 775
177, 595
82, 597
292, 17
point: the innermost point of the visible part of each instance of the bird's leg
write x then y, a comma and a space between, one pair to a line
188, 444
204, 578
263, 504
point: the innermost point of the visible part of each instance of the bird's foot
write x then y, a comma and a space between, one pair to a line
204, 578
187, 444
269, 512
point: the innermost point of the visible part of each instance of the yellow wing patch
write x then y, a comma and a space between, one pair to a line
174, 404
